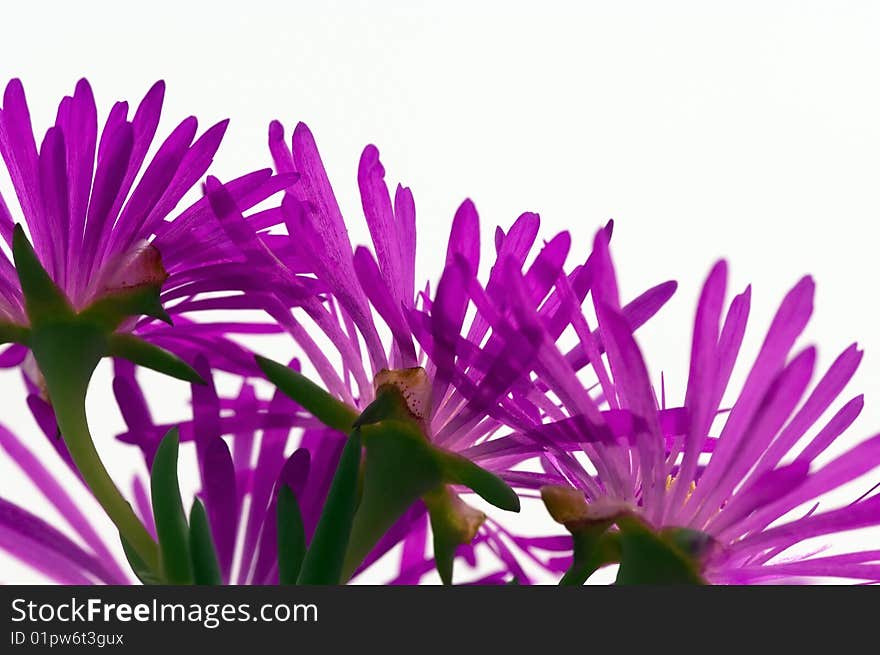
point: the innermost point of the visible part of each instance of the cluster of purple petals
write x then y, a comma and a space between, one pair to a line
745, 473
477, 359
505, 393
90, 200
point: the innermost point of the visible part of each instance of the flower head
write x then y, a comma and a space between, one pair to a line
104, 222
464, 375
743, 485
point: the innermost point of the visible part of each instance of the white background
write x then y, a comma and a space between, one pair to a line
746, 130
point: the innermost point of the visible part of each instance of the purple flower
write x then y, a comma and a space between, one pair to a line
465, 375
102, 218
748, 476
475, 371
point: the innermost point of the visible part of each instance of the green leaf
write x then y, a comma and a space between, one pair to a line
112, 309
11, 333
140, 569
291, 536
168, 510
43, 300
142, 353
324, 560
399, 468
314, 399
206, 569
444, 552
648, 558
460, 470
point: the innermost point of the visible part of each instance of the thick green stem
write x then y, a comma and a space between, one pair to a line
399, 468
67, 355
593, 549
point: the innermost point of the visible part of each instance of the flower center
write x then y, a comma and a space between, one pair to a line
414, 386
670, 482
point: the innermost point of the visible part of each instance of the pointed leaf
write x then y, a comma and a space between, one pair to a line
206, 569
460, 470
168, 512
143, 353
138, 567
444, 552
291, 536
453, 523
11, 333
43, 300
112, 309
324, 560
319, 403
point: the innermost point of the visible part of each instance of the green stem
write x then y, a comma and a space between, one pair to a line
67, 355
399, 468
594, 548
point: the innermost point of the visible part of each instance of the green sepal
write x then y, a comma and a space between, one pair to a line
43, 300
488, 486
171, 527
138, 567
143, 353
206, 568
323, 406
388, 404
11, 333
453, 523
693, 543
647, 557
323, 562
112, 309
291, 536
593, 547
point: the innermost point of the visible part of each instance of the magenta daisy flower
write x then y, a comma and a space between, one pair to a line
747, 478
367, 295
108, 259
104, 219
465, 378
